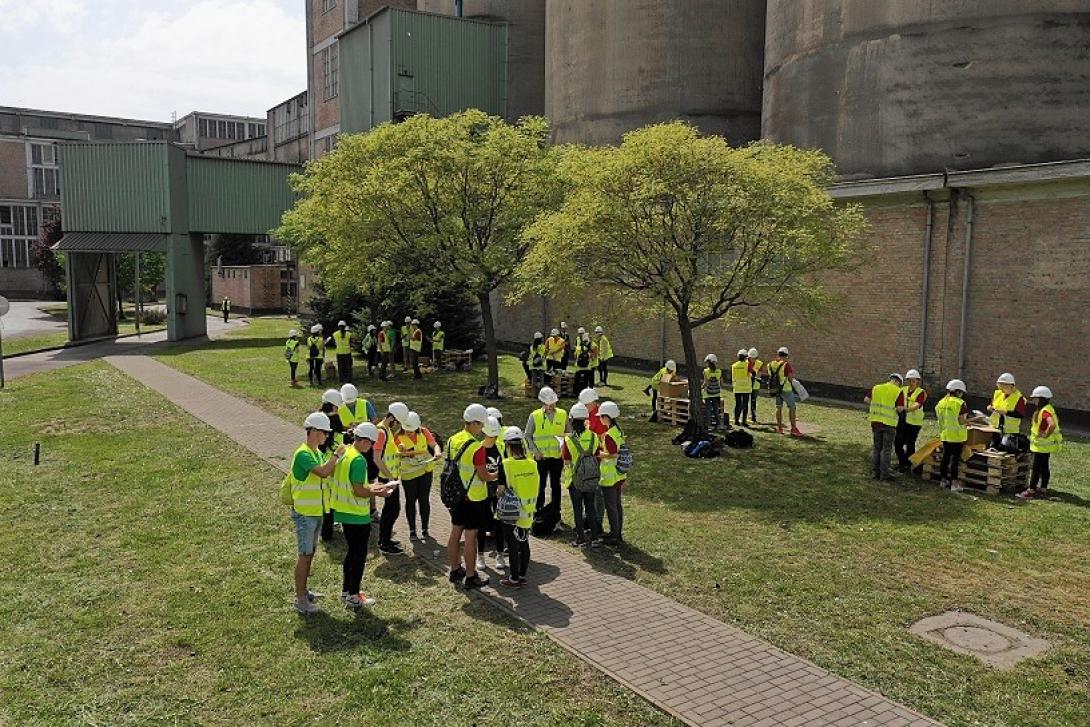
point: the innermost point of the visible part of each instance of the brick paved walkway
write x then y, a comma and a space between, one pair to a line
700, 670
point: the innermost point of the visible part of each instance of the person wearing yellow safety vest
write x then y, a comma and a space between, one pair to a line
582, 356
653, 389
306, 481
544, 427
953, 416
225, 306
741, 384
580, 441
351, 494
519, 476
495, 527
755, 365
567, 351
385, 348
438, 345
613, 482
486, 461
419, 452
711, 387
416, 346
910, 420
315, 354
353, 410
293, 352
386, 457
1008, 407
781, 382
885, 402
554, 350
403, 337
370, 348
342, 345
331, 403
472, 512
605, 353
536, 360
1044, 439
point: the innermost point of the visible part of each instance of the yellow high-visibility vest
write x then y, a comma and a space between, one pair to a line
1051, 443
522, 479
948, 411
1003, 403
913, 397
342, 497
608, 467
308, 496
546, 432
415, 457
883, 403
343, 341
741, 381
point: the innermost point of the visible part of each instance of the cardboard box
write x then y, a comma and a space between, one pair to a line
980, 436
674, 389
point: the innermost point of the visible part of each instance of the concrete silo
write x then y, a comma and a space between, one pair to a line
913, 86
616, 65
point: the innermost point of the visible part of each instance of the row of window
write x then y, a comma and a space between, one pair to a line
289, 121
330, 66
18, 228
233, 130
43, 170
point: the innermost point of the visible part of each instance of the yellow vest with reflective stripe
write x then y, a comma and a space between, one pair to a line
343, 341
522, 479
1003, 403
385, 343
608, 466
546, 432
589, 441
536, 352
1052, 442
350, 419
947, 412
414, 343
741, 381
466, 471
883, 403
913, 417
438, 341
415, 458
342, 497
605, 348
307, 496
318, 342
711, 375
389, 454
296, 350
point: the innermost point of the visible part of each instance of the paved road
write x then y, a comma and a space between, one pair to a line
27, 319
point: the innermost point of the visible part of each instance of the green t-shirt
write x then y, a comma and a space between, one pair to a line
357, 475
303, 463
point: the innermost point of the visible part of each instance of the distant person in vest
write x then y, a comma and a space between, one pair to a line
419, 451
293, 352
885, 402
416, 346
471, 514
403, 339
953, 416
554, 350
756, 364
331, 404
386, 457
1044, 439
309, 468
1008, 407
438, 346
910, 420
613, 481
653, 389
225, 306
370, 347
535, 361
520, 476
342, 344
584, 512
487, 461
385, 348
711, 387
315, 354
582, 356
543, 431
567, 352
781, 377
605, 353
741, 383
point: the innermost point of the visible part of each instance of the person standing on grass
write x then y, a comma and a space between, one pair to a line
613, 481
370, 347
653, 389
386, 457
1044, 439
352, 493
416, 346
711, 388
403, 339
589, 398
342, 344
520, 476
438, 345
353, 410
472, 512
755, 366
225, 306
741, 380
544, 428
293, 352
306, 481
536, 359
580, 442
781, 375
315, 355
953, 416
331, 403
605, 353
566, 351
418, 451
487, 464
386, 348
910, 420
1008, 407
886, 401
554, 350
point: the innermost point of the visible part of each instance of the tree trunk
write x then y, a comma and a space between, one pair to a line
693, 369
490, 343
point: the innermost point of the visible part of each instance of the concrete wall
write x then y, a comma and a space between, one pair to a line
13, 178
22, 282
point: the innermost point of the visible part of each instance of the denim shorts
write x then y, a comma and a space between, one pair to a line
787, 396
307, 528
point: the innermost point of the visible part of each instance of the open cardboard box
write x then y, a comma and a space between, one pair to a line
674, 388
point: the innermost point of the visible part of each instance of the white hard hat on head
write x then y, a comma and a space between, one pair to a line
546, 395
563, 324
315, 328
671, 365
513, 434
366, 430
416, 321
370, 326
1042, 391
412, 422
752, 353
599, 329
332, 396
579, 411
293, 333
1005, 379
341, 324
742, 352
610, 409
712, 358
399, 411
783, 351
913, 374
955, 385
492, 427
475, 413
318, 420
588, 395
437, 324
896, 375
537, 335
581, 330
554, 332
494, 412
384, 324
349, 393
408, 319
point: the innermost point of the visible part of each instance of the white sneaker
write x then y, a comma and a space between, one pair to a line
344, 596
313, 596
501, 562
307, 607
356, 601
480, 562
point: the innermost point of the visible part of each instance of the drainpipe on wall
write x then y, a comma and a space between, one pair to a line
457, 8
965, 284
926, 279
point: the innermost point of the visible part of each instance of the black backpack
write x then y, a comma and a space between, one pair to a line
738, 438
451, 489
582, 360
545, 520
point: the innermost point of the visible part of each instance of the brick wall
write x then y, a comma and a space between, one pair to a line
253, 288
13, 182
22, 282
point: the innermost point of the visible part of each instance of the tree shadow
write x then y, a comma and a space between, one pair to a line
1068, 498
625, 561
365, 629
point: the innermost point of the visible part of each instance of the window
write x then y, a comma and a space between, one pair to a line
202, 127
221, 130
328, 5
43, 170
18, 228
329, 72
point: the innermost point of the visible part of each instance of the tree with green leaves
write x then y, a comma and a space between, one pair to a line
424, 202
153, 270
672, 218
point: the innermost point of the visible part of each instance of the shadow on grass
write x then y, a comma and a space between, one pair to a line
624, 561
220, 344
1068, 498
326, 634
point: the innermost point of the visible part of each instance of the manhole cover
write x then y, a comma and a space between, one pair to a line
995, 644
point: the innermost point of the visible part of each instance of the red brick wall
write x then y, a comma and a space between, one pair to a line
252, 288
13, 169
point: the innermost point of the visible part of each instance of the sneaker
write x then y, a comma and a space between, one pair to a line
481, 565
457, 575
779, 429
357, 601
313, 596
426, 535
475, 581
796, 432
344, 596
1026, 495
511, 583
501, 562
956, 486
579, 544
596, 543
946, 484
391, 549
307, 607
413, 537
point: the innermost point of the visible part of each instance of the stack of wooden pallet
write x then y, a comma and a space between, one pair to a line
988, 471
457, 360
675, 411
563, 384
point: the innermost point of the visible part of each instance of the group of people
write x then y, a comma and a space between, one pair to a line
383, 345
352, 457
588, 353
896, 415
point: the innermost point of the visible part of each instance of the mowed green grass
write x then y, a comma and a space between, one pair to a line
146, 579
793, 542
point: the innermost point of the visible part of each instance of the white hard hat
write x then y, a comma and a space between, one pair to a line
896, 375
315, 328
513, 434
671, 365
752, 353
492, 427
385, 324
563, 324
783, 350
913, 374
494, 412
554, 332
537, 335
1042, 391
408, 319
546, 395
610, 409
712, 358
318, 420
370, 326
581, 330
1005, 379
437, 324
579, 411
293, 333
955, 385
349, 393
416, 321
475, 413
341, 324
398, 410
598, 329
366, 430
332, 396
412, 422
742, 352
588, 395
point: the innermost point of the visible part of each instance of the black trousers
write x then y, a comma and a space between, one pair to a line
356, 557
344, 367
1041, 473
494, 528
414, 358
905, 443
603, 372
327, 527
548, 472
294, 366
314, 371
585, 515
372, 361
518, 550
741, 407
386, 360
654, 404
753, 397
417, 492
584, 379
951, 456
226, 313
391, 508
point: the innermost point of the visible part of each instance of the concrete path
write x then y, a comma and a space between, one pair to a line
26, 318
700, 670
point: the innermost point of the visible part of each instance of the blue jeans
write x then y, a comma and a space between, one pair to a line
307, 528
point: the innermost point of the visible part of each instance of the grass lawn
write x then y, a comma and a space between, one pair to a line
793, 542
147, 580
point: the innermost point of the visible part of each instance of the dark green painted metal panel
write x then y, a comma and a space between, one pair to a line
115, 187
233, 195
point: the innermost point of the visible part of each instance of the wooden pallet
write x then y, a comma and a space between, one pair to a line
987, 472
676, 411
457, 360
563, 383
